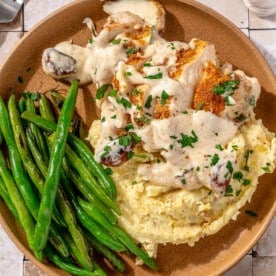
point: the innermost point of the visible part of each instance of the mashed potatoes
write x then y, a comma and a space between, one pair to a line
153, 215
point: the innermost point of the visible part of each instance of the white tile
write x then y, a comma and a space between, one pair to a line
264, 266
243, 268
245, 31
267, 244
256, 22
7, 42
234, 10
265, 40
11, 267
36, 10
8, 251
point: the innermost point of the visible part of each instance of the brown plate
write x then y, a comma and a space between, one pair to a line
214, 254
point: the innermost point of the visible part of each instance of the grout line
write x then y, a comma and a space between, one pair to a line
262, 29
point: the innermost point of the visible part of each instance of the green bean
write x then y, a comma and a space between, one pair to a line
88, 223
7, 199
81, 148
24, 152
93, 212
39, 138
89, 180
53, 175
22, 211
66, 266
75, 252
98, 270
85, 191
23, 183
45, 109
106, 252
63, 203
74, 230
1, 137
97, 169
21, 104
57, 99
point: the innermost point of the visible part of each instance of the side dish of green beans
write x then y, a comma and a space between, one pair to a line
64, 200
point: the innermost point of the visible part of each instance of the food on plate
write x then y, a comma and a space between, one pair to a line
177, 127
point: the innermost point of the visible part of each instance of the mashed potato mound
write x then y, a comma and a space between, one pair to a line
155, 215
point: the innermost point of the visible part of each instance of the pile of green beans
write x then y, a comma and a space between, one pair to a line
63, 199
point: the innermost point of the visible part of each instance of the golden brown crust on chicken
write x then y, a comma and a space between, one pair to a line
162, 110
186, 56
204, 96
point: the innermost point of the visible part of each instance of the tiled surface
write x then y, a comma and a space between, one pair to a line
262, 260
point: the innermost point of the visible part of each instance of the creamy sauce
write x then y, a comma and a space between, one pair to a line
147, 89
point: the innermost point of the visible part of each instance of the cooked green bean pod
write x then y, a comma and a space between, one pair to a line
53, 174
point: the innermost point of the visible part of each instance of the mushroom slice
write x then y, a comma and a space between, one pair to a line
57, 64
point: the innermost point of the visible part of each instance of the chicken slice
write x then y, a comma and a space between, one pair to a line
150, 11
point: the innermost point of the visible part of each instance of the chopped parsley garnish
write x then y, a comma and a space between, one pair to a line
108, 171
228, 191
229, 166
101, 91
266, 169
164, 97
252, 101
246, 182
214, 160
226, 87
124, 102
130, 155
116, 41
148, 102
129, 127
185, 112
125, 140
234, 147
240, 117
90, 40
154, 77
128, 73
131, 51
136, 138
107, 150
251, 213
103, 119
135, 92
143, 119
147, 64
238, 176
197, 169
219, 147
246, 156
138, 107
187, 140
113, 117
199, 106
183, 181
171, 45
238, 192
112, 93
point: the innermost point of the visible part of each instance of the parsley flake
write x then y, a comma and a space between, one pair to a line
101, 91
214, 160
187, 140
148, 102
154, 77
